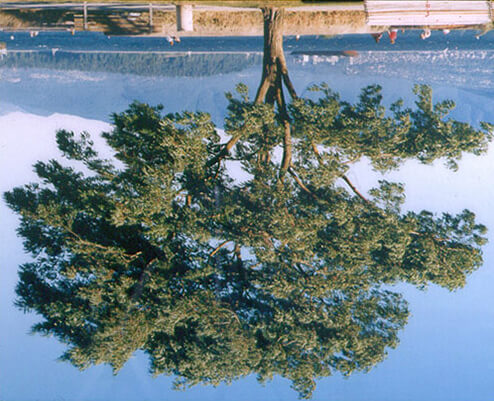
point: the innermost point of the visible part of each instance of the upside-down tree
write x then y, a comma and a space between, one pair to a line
286, 272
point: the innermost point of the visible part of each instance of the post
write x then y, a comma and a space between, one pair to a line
150, 15
185, 18
85, 15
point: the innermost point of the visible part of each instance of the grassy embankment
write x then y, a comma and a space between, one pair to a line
223, 3
205, 22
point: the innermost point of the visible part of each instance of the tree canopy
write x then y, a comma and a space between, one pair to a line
287, 272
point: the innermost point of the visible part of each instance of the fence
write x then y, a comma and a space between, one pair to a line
427, 13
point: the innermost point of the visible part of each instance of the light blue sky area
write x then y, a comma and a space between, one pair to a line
446, 350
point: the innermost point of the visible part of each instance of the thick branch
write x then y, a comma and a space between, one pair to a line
225, 151
219, 247
354, 189
301, 184
287, 149
286, 78
289, 85
316, 151
287, 137
263, 88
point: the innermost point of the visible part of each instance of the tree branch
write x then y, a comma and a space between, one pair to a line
287, 149
344, 177
263, 87
300, 183
287, 137
225, 151
137, 292
316, 151
219, 247
85, 242
354, 189
289, 85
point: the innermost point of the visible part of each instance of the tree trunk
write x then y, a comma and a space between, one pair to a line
270, 91
274, 74
273, 52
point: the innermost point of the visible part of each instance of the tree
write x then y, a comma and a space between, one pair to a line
285, 273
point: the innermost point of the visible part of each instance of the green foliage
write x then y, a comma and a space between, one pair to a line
162, 250
388, 138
